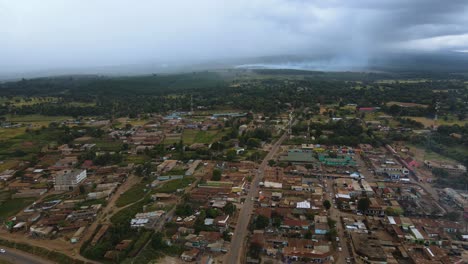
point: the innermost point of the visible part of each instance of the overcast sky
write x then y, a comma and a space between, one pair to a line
50, 34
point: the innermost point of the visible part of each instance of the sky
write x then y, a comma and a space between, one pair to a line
53, 34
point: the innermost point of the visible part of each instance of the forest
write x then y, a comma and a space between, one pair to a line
259, 90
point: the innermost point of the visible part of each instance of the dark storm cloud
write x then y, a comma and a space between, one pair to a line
45, 34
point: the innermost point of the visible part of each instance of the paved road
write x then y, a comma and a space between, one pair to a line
20, 257
238, 239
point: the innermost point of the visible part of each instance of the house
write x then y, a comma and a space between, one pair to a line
190, 255
69, 180
221, 221
295, 224
7, 174
367, 109
411, 162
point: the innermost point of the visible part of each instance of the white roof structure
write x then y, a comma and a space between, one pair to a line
416, 233
209, 221
343, 196
391, 220
303, 205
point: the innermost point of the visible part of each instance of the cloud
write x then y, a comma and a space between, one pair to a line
45, 34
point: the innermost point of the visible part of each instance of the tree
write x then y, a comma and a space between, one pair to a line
212, 213
326, 204
157, 241
363, 204
277, 221
253, 143
390, 211
231, 154
229, 208
262, 222
216, 175
271, 163
183, 210
226, 236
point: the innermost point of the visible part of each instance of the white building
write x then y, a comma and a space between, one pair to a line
69, 180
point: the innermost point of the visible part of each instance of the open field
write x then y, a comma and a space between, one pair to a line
35, 118
173, 185
8, 164
131, 195
134, 122
13, 206
190, 136
24, 101
217, 111
403, 81
6, 133
402, 104
427, 122
421, 154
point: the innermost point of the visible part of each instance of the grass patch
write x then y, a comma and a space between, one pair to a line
147, 255
35, 118
190, 136
172, 185
8, 164
92, 202
137, 159
175, 172
7, 133
13, 206
124, 216
427, 122
131, 195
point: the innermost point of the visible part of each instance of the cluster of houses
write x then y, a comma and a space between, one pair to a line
298, 224
66, 196
402, 223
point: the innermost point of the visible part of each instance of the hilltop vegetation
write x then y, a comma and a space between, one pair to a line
258, 90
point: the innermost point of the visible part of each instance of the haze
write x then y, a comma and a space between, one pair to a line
56, 34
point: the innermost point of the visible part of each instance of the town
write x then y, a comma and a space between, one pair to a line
305, 185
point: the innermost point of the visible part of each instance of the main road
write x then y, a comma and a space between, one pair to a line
20, 257
239, 238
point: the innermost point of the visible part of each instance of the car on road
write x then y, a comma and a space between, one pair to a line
2, 250
340, 249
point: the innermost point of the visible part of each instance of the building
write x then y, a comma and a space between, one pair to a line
340, 160
69, 180
299, 156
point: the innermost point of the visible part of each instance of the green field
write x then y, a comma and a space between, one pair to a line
25, 145
131, 195
169, 141
13, 206
140, 159
173, 185
190, 136
6, 133
36, 118
427, 122
104, 144
24, 101
8, 164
